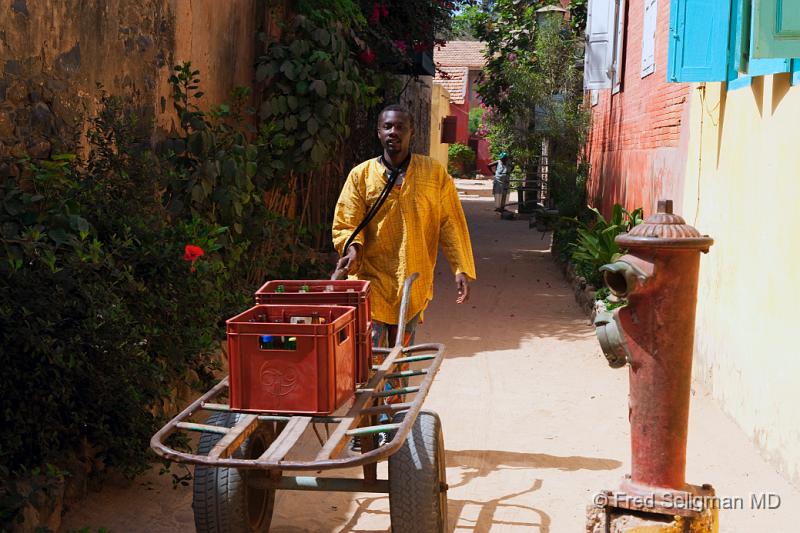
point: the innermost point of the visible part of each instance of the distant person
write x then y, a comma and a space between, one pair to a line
502, 175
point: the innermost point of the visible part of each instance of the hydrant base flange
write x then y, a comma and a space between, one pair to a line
689, 502
637, 509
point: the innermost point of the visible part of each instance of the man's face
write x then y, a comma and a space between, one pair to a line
394, 132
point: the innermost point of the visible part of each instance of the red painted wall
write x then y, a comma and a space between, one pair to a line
483, 158
461, 111
638, 139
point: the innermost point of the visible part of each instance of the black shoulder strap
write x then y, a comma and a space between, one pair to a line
394, 172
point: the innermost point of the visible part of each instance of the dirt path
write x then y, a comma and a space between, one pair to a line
534, 419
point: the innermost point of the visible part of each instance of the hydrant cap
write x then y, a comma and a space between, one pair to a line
664, 229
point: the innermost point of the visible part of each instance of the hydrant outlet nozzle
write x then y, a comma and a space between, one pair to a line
625, 274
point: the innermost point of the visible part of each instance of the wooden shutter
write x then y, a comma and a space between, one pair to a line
618, 69
649, 37
449, 125
698, 44
776, 29
600, 32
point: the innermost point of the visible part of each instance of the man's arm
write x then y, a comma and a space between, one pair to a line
454, 238
349, 212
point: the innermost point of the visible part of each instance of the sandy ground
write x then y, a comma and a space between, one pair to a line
534, 419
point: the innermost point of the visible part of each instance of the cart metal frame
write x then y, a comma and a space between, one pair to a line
358, 421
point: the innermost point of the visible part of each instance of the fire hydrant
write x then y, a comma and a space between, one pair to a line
654, 334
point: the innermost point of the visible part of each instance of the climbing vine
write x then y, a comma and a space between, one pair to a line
334, 57
311, 80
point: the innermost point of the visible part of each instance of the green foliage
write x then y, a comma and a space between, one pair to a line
568, 187
460, 157
577, 18
462, 25
331, 59
103, 312
101, 315
533, 90
595, 244
313, 81
219, 172
475, 120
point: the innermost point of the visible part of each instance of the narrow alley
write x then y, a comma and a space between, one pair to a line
534, 419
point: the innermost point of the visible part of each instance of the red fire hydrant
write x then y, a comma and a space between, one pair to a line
654, 335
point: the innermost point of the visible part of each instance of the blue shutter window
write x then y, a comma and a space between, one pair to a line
736, 80
744, 10
776, 25
795, 71
698, 43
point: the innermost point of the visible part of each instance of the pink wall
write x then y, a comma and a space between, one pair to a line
638, 144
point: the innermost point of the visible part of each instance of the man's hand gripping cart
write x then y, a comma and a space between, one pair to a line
244, 457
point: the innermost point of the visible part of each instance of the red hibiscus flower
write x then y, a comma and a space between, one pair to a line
192, 253
401, 45
384, 10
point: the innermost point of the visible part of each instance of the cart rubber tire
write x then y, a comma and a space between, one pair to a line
417, 478
222, 500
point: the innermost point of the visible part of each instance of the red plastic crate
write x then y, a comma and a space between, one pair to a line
353, 293
316, 377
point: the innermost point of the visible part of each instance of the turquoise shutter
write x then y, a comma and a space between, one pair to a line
776, 29
738, 44
795, 71
747, 29
698, 44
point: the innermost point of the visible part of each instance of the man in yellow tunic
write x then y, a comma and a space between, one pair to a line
421, 212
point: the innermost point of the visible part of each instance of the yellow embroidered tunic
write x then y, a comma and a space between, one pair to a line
404, 235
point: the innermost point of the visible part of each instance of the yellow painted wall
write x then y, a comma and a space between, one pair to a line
743, 188
440, 108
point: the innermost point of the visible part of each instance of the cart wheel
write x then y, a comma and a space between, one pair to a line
417, 479
222, 500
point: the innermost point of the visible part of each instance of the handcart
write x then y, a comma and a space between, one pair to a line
241, 456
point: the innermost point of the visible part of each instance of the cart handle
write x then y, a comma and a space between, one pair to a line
401, 319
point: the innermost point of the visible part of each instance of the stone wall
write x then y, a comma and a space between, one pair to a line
58, 56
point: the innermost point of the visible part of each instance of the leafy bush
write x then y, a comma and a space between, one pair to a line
105, 308
101, 315
460, 158
595, 246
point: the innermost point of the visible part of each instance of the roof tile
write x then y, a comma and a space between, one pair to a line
460, 54
456, 83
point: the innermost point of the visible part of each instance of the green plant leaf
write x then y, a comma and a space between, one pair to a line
320, 88
288, 69
318, 153
229, 168
322, 36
